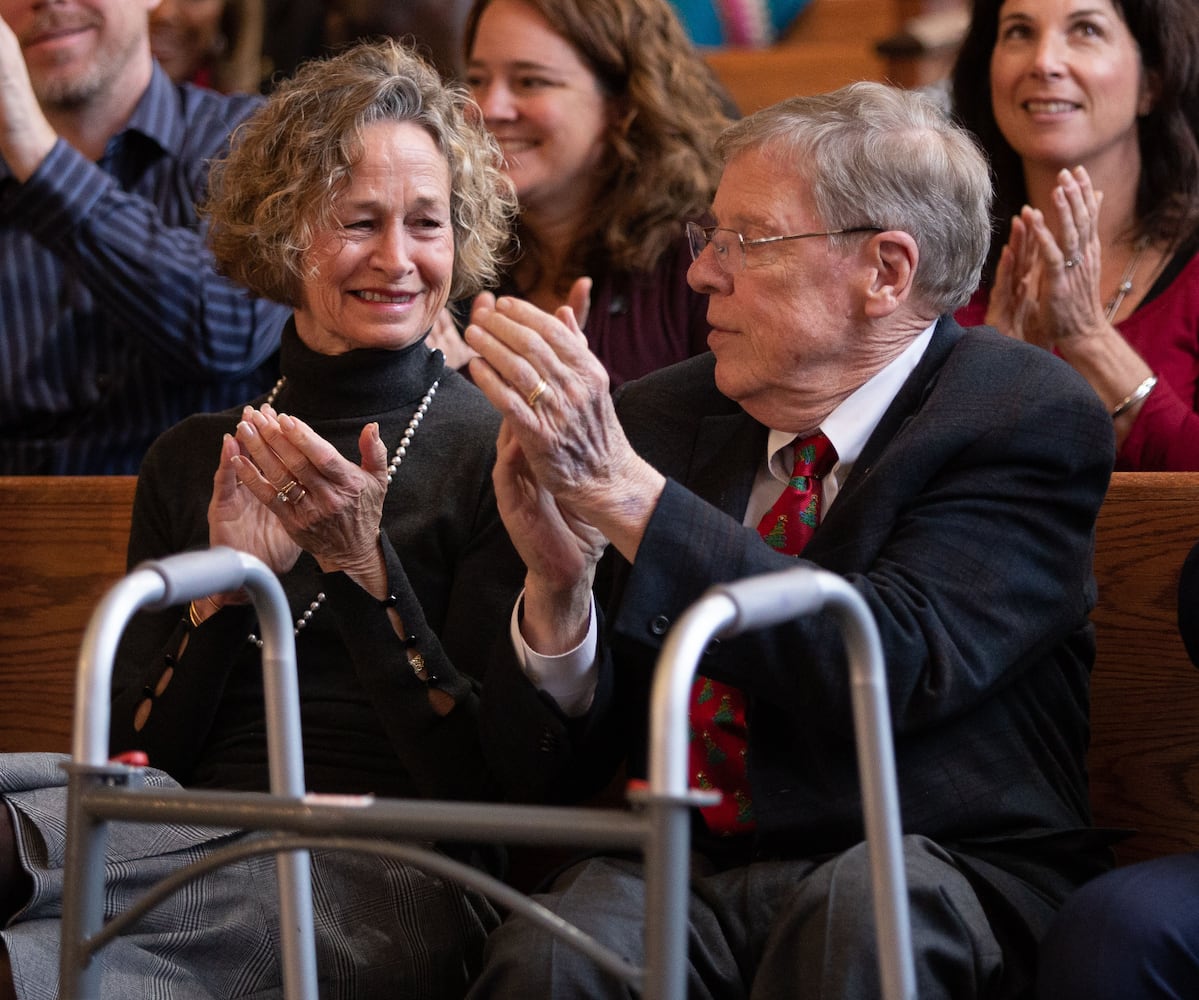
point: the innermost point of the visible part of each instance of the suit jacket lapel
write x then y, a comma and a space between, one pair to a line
725, 460
906, 402
904, 406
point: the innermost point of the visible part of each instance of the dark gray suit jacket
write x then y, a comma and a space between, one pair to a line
967, 525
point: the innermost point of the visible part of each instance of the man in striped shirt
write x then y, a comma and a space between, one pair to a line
113, 323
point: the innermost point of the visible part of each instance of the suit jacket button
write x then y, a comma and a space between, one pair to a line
660, 625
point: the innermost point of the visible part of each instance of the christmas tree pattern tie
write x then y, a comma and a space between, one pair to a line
719, 741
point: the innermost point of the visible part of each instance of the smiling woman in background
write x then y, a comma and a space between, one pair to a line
211, 43
607, 117
1085, 105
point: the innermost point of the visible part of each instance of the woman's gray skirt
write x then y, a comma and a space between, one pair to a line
383, 928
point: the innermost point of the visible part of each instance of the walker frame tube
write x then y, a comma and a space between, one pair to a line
661, 828
161, 584
770, 599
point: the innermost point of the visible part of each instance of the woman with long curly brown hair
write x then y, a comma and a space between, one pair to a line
607, 117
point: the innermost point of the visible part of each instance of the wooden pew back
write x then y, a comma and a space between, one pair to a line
62, 545
831, 43
1144, 759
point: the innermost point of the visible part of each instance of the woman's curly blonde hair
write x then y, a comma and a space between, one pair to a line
660, 168
275, 192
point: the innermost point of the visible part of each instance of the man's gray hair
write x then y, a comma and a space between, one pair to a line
876, 155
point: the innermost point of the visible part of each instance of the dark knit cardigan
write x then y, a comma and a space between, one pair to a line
366, 720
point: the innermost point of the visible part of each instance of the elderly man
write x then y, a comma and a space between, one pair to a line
113, 324
955, 477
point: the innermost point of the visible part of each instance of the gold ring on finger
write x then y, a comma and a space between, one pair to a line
282, 494
538, 389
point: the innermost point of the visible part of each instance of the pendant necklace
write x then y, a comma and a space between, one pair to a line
392, 468
1125, 285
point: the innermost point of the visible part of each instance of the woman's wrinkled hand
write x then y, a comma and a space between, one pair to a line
237, 518
1048, 287
322, 503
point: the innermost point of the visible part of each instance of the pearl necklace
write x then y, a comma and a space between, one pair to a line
1125, 285
392, 468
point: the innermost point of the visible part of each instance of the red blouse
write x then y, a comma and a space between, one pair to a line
1164, 330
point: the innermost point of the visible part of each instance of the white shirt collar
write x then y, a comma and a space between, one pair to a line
850, 425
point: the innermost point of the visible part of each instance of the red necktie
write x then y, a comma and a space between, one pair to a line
719, 742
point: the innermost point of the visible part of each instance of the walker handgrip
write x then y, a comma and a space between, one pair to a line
772, 598
189, 575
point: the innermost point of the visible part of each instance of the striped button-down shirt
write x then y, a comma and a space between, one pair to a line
113, 323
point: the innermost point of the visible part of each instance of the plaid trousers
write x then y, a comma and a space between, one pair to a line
383, 928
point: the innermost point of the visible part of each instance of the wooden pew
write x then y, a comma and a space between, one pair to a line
1144, 759
757, 78
62, 544
910, 43
831, 43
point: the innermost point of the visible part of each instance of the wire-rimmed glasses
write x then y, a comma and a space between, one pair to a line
729, 245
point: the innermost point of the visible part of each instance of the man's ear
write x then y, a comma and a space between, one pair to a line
892, 257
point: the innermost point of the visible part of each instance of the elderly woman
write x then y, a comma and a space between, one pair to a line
363, 196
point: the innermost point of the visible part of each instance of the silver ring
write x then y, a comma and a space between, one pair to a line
538, 389
1072, 261
282, 496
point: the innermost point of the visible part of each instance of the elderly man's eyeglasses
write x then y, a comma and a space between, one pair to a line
729, 245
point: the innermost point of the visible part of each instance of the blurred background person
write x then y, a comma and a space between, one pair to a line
301, 29
211, 43
113, 322
745, 23
292, 33
1089, 111
607, 117
434, 27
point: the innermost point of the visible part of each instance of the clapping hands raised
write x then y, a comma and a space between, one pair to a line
1046, 289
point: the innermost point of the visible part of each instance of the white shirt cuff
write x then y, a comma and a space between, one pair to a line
569, 678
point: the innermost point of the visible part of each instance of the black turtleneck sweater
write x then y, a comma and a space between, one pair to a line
366, 719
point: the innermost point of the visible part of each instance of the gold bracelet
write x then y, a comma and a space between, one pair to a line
1134, 397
